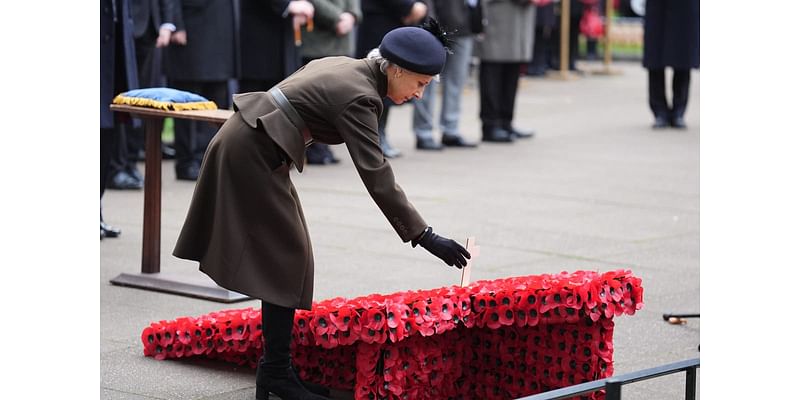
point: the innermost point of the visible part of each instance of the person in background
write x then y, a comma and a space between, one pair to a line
507, 44
380, 17
455, 17
202, 65
542, 47
671, 39
117, 74
334, 21
152, 29
245, 224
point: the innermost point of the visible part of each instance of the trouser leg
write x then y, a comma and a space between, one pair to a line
454, 76
508, 97
490, 91
680, 91
422, 121
657, 93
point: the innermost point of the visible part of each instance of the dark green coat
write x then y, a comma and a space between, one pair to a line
245, 224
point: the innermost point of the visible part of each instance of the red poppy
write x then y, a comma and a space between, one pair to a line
342, 318
396, 314
369, 335
321, 324
420, 311
491, 318
184, 333
480, 302
505, 298
425, 328
506, 314
595, 313
443, 325
462, 306
374, 319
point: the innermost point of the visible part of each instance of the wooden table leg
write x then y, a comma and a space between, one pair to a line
151, 232
151, 277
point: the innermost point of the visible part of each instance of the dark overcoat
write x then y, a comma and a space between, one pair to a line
150, 14
268, 51
123, 66
245, 224
209, 54
380, 17
672, 34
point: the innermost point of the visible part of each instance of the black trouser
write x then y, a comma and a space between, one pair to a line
541, 45
658, 96
126, 155
192, 137
498, 88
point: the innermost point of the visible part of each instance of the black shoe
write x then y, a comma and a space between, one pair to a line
497, 135
456, 141
678, 122
660, 123
122, 180
428, 144
286, 385
518, 134
107, 231
187, 173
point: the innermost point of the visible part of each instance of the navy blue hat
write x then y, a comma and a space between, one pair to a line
414, 49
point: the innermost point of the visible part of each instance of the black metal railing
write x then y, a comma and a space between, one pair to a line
613, 384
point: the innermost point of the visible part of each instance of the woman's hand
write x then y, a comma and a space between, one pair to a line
448, 250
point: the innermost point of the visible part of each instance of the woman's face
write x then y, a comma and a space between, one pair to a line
405, 85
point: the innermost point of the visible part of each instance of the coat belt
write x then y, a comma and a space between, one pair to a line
291, 113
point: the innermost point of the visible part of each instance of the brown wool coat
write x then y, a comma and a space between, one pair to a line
245, 224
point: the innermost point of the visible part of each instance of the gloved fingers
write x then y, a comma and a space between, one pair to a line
460, 249
460, 261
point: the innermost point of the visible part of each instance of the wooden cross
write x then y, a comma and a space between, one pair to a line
474, 251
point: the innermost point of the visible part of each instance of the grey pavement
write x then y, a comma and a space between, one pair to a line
596, 189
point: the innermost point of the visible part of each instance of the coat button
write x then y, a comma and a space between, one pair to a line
107, 37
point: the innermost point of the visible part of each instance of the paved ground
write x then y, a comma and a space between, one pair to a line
597, 189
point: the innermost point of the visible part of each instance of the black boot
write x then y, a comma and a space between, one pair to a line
275, 374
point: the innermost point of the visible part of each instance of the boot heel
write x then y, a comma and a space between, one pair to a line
262, 393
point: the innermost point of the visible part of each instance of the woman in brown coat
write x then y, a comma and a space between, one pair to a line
245, 224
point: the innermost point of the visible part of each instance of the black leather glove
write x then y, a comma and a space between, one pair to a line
448, 250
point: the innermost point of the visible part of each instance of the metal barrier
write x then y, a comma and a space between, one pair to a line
613, 385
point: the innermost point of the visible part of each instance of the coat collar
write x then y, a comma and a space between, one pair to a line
382, 82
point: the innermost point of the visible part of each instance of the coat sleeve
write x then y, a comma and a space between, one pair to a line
326, 14
358, 125
167, 10
354, 7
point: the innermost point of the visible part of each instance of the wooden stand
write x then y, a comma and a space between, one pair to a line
150, 278
563, 67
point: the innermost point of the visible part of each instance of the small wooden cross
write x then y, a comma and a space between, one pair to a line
474, 251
